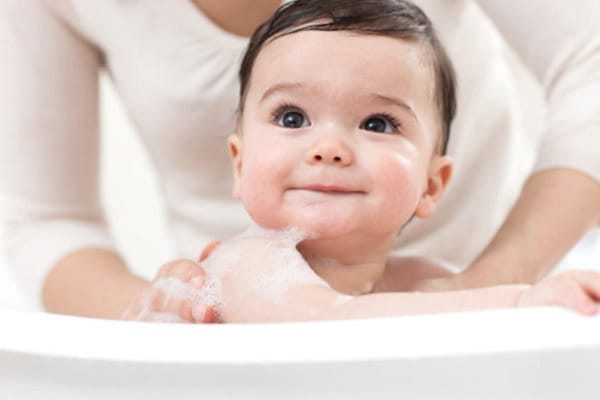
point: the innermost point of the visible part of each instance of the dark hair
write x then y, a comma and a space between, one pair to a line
396, 18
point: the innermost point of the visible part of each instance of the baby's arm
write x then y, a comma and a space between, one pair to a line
249, 293
315, 302
578, 290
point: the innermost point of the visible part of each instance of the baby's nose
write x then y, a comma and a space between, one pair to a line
331, 151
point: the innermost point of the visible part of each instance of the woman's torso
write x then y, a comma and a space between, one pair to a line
176, 72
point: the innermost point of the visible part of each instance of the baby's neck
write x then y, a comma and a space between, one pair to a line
350, 267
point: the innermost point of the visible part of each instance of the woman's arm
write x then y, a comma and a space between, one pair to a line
556, 208
55, 236
91, 282
49, 144
561, 199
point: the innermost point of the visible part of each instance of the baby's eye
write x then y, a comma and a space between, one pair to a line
292, 119
380, 124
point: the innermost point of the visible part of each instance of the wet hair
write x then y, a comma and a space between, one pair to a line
394, 18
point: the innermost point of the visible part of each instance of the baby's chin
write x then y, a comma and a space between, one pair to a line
316, 225
309, 230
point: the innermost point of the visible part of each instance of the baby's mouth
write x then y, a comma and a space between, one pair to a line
329, 189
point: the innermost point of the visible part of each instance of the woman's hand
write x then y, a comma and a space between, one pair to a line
175, 295
578, 290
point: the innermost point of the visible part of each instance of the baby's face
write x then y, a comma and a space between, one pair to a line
338, 135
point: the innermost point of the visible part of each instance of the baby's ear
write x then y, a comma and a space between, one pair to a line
234, 144
438, 177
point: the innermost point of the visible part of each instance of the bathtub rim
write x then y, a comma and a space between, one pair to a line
430, 336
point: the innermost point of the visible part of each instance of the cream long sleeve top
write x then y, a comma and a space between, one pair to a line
176, 73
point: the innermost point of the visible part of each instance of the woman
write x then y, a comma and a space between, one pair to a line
175, 64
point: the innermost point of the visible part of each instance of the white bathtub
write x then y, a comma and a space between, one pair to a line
545, 353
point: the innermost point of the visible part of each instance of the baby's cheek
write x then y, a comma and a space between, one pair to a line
258, 200
401, 189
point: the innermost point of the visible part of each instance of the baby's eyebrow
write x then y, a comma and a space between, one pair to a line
279, 87
394, 102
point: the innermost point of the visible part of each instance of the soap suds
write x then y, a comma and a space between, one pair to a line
284, 268
284, 265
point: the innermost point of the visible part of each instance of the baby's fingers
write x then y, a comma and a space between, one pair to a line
578, 290
177, 294
188, 300
581, 302
208, 250
165, 303
590, 281
184, 270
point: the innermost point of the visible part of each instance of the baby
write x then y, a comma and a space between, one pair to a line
344, 119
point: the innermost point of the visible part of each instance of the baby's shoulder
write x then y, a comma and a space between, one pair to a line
401, 273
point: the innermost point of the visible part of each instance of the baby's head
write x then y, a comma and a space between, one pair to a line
344, 118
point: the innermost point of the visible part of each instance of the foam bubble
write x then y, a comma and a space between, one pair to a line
154, 316
290, 236
175, 288
289, 269
281, 265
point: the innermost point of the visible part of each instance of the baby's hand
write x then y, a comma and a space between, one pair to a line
173, 296
578, 290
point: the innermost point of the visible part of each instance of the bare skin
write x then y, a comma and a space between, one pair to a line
240, 17
243, 301
91, 282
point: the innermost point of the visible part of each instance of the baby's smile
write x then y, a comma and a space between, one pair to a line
329, 189
320, 194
